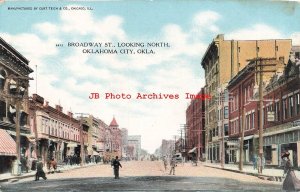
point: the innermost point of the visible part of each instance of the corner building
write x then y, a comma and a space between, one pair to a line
222, 60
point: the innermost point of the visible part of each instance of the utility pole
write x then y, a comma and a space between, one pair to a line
222, 130
260, 114
20, 85
260, 63
241, 162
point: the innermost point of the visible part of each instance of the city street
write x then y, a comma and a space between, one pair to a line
144, 176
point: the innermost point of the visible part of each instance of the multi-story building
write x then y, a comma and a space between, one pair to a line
167, 148
195, 140
14, 83
282, 113
124, 133
244, 108
58, 135
96, 134
113, 140
222, 60
135, 140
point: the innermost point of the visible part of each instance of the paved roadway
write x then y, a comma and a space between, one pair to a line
144, 176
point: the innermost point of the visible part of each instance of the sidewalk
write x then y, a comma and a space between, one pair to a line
9, 177
267, 173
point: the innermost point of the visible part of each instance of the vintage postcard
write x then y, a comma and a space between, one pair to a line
149, 95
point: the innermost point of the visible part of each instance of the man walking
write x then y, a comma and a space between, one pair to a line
172, 165
165, 162
116, 164
39, 170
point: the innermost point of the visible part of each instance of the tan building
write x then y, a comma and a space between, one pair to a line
222, 60
96, 137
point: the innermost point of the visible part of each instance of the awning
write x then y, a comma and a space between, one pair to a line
248, 137
7, 144
193, 150
232, 143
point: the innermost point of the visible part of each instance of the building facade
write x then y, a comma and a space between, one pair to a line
195, 140
135, 141
58, 135
282, 114
244, 108
222, 60
14, 83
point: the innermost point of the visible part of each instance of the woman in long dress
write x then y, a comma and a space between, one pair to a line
291, 182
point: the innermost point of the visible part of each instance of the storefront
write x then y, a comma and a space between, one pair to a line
231, 150
7, 151
281, 141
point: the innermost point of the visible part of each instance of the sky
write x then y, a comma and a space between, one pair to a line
66, 75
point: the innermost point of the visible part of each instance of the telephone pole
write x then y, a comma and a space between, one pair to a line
260, 64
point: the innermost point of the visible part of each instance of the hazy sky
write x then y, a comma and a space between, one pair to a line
67, 76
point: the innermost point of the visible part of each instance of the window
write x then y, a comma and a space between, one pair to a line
253, 115
297, 98
226, 112
226, 129
292, 108
277, 111
284, 107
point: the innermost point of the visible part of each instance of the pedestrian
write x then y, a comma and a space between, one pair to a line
172, 166
116, 164
259, 164
39, 170
254, 160
165, 163
291, 182
53, 165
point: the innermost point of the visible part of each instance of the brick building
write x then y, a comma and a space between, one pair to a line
57, 134
195, 135
244, 109
222, 60
282, 133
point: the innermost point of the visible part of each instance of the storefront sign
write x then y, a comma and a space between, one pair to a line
271, 116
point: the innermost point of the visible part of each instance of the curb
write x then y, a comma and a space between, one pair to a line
264, 177
16, 178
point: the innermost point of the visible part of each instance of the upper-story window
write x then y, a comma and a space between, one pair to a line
297, 98
2, 79
226, 112
291, 106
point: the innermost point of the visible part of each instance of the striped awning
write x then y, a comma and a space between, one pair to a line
7, 144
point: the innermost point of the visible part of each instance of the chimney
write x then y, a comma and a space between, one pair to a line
58, 108
46, 103
70, 114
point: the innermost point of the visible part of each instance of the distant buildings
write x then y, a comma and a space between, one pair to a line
134, 141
